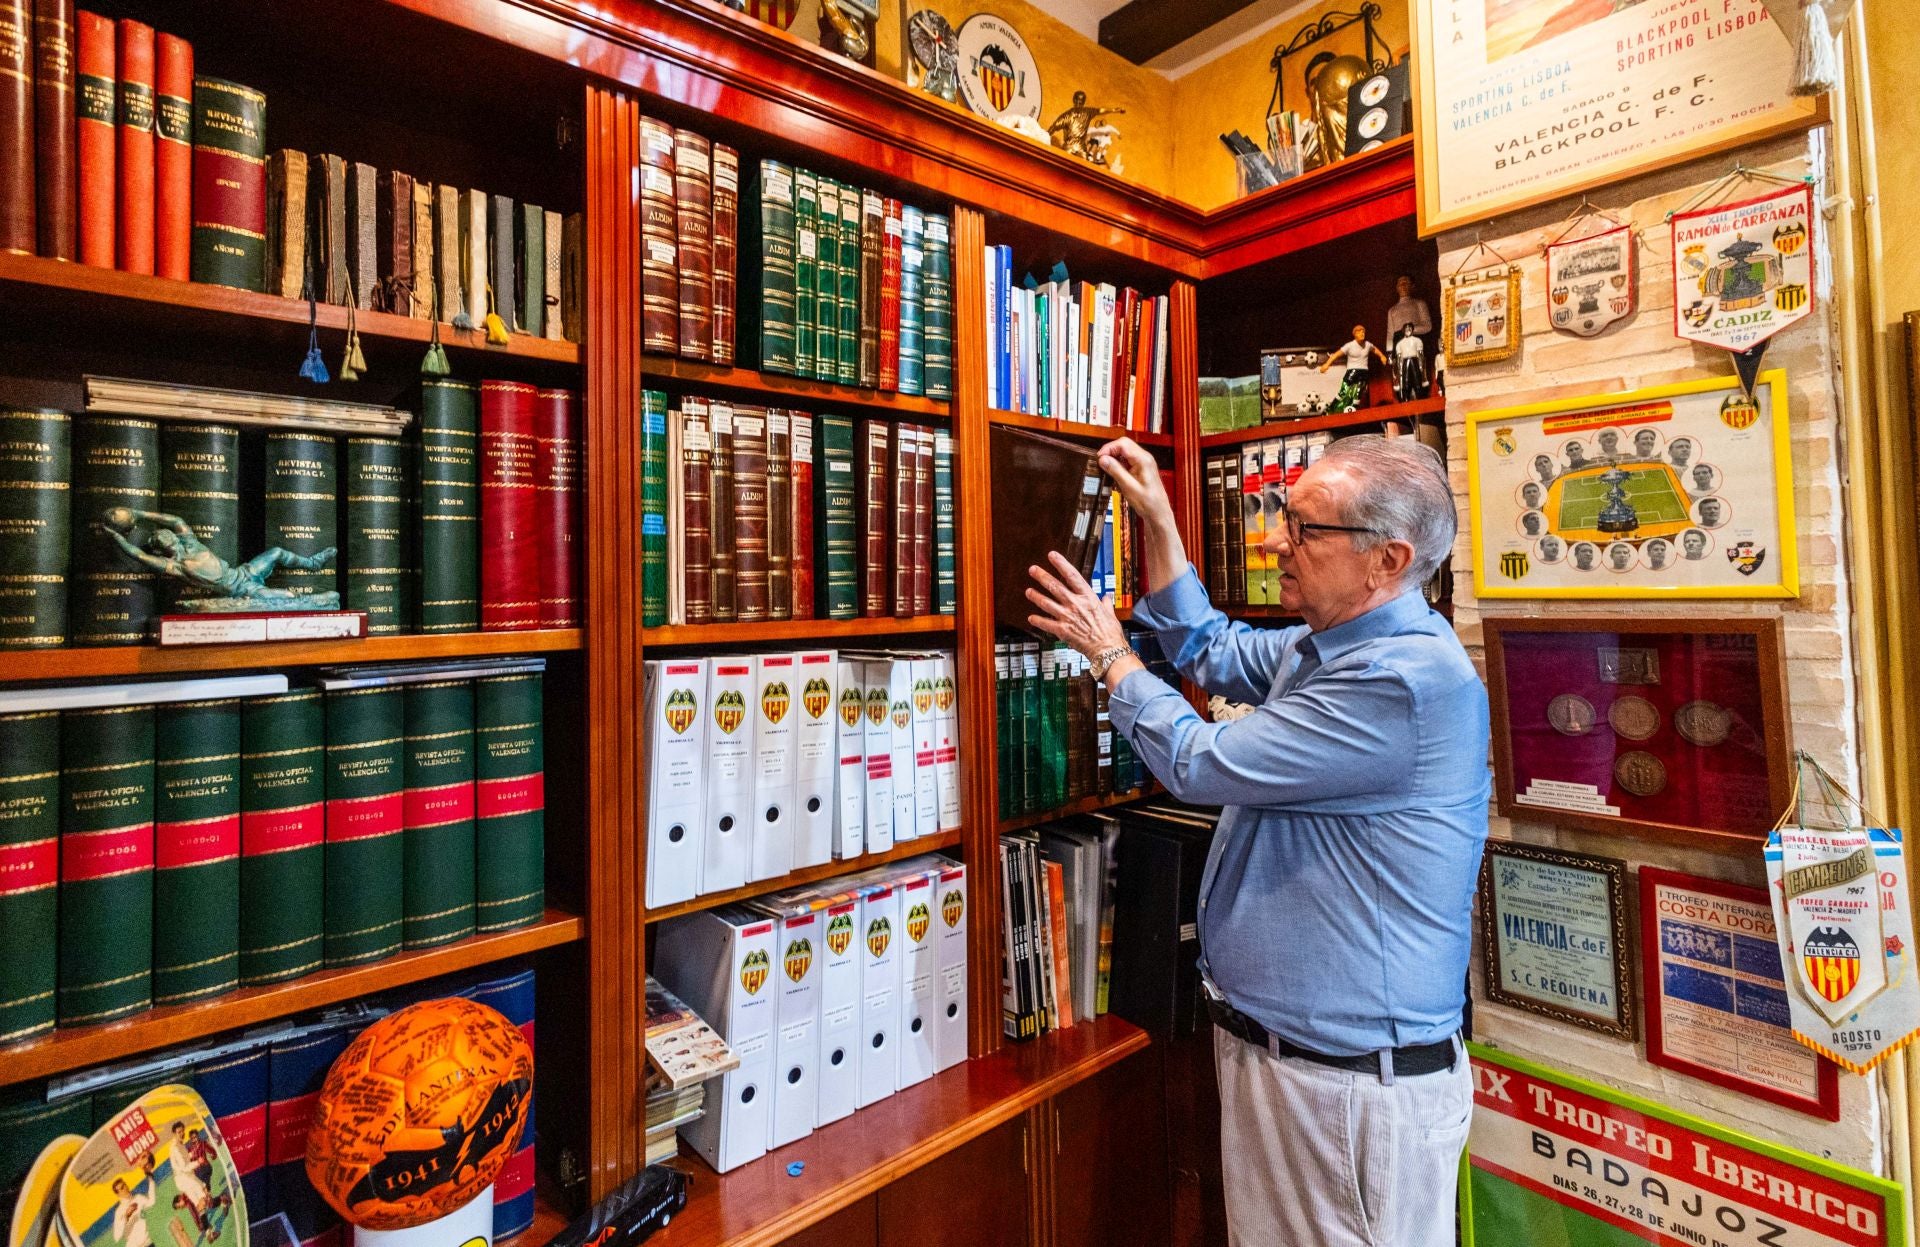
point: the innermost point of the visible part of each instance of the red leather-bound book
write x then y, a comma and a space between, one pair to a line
173, 157
135, 123
95, 108
876, 504
802, 515
510, 542
779, 471
556, 439
890, 299
901, 458
53, 89
726, 248
17, 230
922, 520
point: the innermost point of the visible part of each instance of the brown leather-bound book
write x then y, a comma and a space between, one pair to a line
779, 515
871, 448
1215, 475
363, 214
447, 253
893, 232
393, 235
922, 520
750, 514
95, 112
693, 202
557, 469
18, 231
696, 516
573, 280
802, 515
726, 248
873, 246
1080, 730
902, 456
1047, 494
659, 246
286, 223
422, 250
55, 159
327, 187
135, 125
726, 606
173, 157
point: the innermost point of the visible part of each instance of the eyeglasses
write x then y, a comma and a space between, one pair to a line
1297, 529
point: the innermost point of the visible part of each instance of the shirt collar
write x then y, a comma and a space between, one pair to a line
1387, 619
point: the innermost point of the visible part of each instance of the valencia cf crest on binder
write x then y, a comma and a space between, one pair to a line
775, 700
879, 935
799, 959
877, 705
816, 696
902, 713
839, 933
952, 906
918, 920
682, 709
730, 711
850, 706
923, 696
753, 971
943, 694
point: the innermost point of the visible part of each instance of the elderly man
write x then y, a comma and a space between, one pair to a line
1335, 909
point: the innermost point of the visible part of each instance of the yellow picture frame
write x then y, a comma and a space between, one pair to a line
1709, 514
1477, 290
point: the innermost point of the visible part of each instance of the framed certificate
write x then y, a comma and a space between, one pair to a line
1554, 926
1716, 995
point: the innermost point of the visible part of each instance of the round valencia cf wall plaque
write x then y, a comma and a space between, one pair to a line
998, 76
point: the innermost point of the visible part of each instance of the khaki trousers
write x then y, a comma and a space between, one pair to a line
1320, 1157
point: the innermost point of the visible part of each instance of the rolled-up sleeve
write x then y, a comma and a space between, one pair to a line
1219, 654
1348, 733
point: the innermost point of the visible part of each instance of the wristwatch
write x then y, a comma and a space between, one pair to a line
1099, 663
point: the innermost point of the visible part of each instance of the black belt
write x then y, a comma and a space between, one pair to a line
1407, 1062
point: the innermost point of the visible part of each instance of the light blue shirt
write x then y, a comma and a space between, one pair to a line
1336, 907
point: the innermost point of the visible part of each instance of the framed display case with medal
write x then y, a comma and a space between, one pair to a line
1670, 729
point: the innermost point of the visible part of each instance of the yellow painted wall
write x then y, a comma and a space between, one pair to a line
1893, 48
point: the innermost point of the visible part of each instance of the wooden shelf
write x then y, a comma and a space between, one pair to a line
1339, 420
796, 630
1085, 805
126, 660
1075, 429
758, 1204
548, 1221
99, 296
772, 387
73, 1047
809, 874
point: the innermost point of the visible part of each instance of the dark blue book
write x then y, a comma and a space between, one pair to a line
235, 1089
295, 1072
513, 1189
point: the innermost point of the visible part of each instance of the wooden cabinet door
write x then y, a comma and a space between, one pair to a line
975, 1194
1110, 1178
853, 1226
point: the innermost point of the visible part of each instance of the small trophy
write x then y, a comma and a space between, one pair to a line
1618, 515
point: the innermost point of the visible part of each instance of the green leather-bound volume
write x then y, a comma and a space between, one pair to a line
106, 863
196, 850
806, 257
913, 241
29, 871
531, 267
767, 249
439, 886
28, 1123
366, 853
936, 306
946, 577
378, 559
1031, 739
116, 464
35, 453
449, 505
836, 521
848, 369
200, 483
302, 492
1056, 695
1003, 732
282, 834
510, 801
653, 509
826, 283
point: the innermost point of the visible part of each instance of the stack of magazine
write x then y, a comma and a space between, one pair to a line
682, 1053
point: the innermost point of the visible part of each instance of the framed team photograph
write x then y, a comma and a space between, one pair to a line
1672, 730
1483, 316
1673, 491
1715, 993
1554, 927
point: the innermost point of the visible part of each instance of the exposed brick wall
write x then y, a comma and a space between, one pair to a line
1821, 685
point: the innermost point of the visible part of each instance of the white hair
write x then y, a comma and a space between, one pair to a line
1400, 493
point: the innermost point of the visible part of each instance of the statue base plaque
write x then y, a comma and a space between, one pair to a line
237, 627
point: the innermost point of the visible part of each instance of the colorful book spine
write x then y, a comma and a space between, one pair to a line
923, 505
725, 583
553, 265
530, 235
902, 459
693, 206
500, 259
379, 561
302, 492
200, 483
134, 126
173, 157
837, 493
29, 871
750, 515
282, 834
936, 306
890, 261
196, 850
229, 184
365, 850
327, 175
513, 1187
235, 1089
116, 468
18, 231
801, 460
659, 246
876, 506
96, 138
509, 801
726, 249
365, 241
696, 517
806, 254
779, 515
438, 871
509, 574
54, 89
556, 448
873, 250
286, 256
769, 214
913, 250
449, 505
106, 864
36, 451
848, 370
653, 508
425, 288
296, 1070
826, 282
946, 577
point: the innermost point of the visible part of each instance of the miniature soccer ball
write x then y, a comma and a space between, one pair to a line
420, 1112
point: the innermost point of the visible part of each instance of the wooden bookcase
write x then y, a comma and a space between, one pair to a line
542, 99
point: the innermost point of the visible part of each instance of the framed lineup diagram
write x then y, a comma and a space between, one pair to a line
1675, 491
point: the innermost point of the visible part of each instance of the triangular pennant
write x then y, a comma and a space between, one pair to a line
1747, 364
